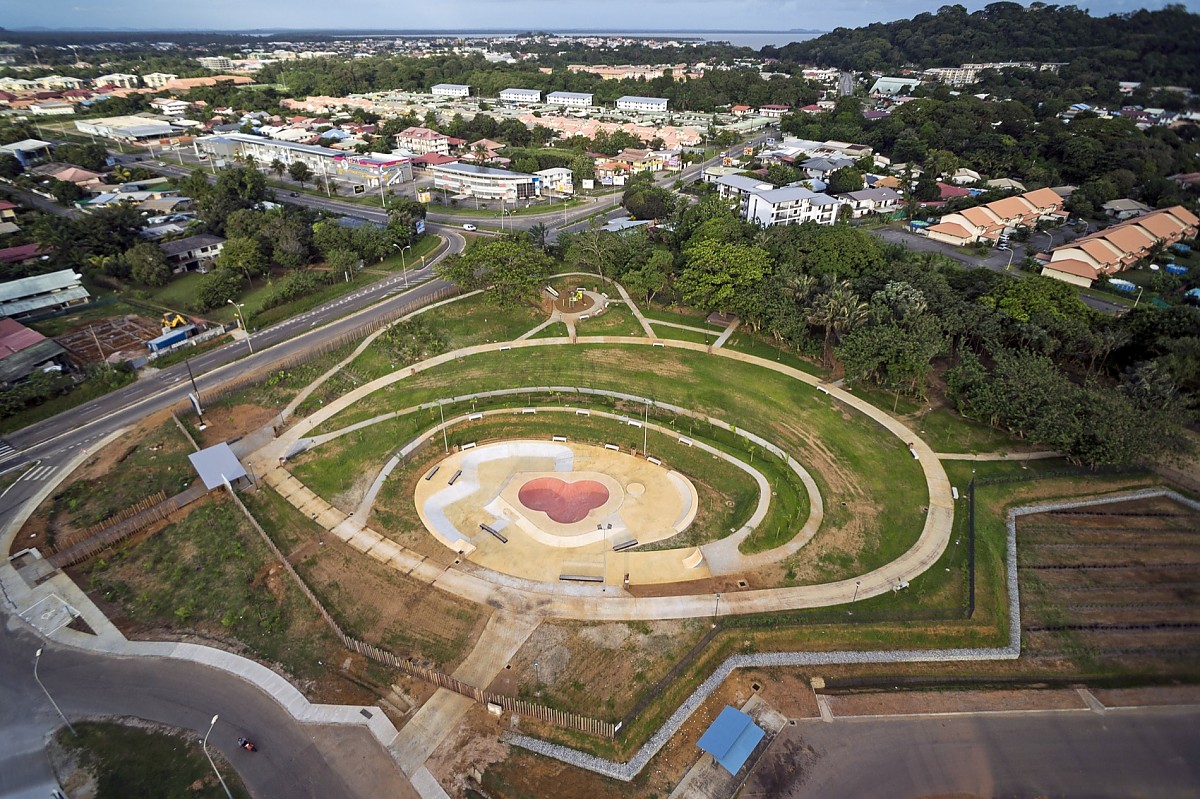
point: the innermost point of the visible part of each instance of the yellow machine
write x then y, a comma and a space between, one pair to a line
173, 320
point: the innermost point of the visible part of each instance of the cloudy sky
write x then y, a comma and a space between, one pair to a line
724, 15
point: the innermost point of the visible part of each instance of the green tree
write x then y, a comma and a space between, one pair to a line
278, 167
845, 180
148, 265
299, 172
245, 254
217, 288
715, 274
510, 269
10, 167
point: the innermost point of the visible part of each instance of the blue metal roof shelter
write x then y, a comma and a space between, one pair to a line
731, 739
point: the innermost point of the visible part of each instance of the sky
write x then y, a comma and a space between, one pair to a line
665, 15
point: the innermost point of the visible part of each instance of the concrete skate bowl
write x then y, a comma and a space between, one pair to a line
565, 503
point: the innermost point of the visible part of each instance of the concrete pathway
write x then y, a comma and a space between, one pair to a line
729, 331
677, 326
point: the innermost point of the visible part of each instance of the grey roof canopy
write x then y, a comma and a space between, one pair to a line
216, 465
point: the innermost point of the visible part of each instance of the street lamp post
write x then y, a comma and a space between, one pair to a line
36, 657
853, 599
239, 313
204, 746
403, 261
716, 609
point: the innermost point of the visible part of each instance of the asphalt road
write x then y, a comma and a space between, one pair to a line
1150, 753
293, 760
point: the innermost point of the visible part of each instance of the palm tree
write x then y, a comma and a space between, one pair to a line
278, 167
538, 233
838, 310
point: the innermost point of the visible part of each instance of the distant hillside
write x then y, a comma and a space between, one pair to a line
1160, 46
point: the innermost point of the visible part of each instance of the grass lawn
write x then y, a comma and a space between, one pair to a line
617, 320
873, 492
946, 431
747, 342
890, 401
212, 575
129, 761
663, 331
654, 311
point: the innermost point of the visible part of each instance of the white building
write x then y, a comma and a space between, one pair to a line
52, 108
484, 182
118, 79
156, 80
419, 141
646, 105
53, 83
872, 201
521, 96
559, 180
217, 63
126, 128
169, 106
450, 90
766, 205
324, 162
571, 99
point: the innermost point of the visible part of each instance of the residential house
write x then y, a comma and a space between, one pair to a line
169, 106
871, 201
559, 180
988, 222
21, 254
52, 108
8, 211
1121, 246
28, 151
117, 80
194, 252
24, 351
156, 80
822, 168
963, 176
1005, 184
773, 111
40, 293
1125, 209
419, 141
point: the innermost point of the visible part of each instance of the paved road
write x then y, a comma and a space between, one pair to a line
293, 760
1153, 752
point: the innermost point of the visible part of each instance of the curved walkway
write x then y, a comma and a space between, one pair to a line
932, 541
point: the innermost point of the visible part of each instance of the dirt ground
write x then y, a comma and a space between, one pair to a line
99, 341
226, 422
599, 669
905, 702
460, 761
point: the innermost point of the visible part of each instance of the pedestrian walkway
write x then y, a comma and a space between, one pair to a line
729, 331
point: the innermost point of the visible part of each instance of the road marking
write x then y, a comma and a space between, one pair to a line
6, 449
38, 474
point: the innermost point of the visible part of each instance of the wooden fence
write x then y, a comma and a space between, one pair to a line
549, 715
110, 532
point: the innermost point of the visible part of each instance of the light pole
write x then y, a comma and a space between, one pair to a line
204, 746
716, 609
36, 657
445, 440
238, 306
403, 262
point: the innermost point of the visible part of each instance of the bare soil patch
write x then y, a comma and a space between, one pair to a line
888, 703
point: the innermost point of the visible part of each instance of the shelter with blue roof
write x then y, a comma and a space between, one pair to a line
731, 738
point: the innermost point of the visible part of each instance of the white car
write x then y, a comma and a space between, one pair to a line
469, 226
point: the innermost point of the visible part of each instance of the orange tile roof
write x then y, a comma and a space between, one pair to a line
952, 229
1043, 198
1130, 238
1183, 215
1160, 225
1070, 266
981, 216
1011, 208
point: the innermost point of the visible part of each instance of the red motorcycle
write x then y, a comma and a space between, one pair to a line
247, 744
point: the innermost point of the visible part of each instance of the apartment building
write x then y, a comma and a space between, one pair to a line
217, 63
156, 80
988, 222
521, 96
645, 105
570, 99
118, 79
450, 90
419, 141
767, 205
169, 106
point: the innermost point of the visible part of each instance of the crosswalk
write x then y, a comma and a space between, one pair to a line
38, 474
6, 449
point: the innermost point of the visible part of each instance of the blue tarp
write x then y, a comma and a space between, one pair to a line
731, 739
1176, 269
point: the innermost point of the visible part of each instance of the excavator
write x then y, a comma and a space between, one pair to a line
172, 320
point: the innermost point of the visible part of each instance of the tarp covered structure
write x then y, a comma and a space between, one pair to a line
731, 739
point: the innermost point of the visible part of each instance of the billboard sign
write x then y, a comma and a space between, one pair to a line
420, 228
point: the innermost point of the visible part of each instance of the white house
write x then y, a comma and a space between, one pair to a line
419, 141
572, 99
52, 108
648, 105
450, 90
559, 180
871, 201
169, 106
521, 96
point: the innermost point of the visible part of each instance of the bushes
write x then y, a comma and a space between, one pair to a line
297, 285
